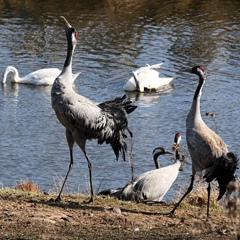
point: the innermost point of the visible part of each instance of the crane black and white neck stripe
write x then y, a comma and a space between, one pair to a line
207, 149
85, 119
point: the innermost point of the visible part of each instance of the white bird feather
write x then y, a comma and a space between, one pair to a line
45, 76
146, 79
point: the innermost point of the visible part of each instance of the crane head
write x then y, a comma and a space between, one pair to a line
200, 71
177, 138
157, 152
160, 150
70, 28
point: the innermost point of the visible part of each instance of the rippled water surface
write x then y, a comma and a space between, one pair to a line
115, 38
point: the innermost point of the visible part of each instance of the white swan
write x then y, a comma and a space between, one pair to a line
45, 76
146, 79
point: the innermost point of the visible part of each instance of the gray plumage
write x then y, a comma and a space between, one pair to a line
208, 151
85, 119
151, 186
154, 186
147, 185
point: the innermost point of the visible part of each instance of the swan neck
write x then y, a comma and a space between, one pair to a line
15, 74
138, 84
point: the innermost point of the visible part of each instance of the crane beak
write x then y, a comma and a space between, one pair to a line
186, 70
168, 152
68, 25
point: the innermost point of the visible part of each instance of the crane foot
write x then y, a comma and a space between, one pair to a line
91, 200
58, 199
171, 214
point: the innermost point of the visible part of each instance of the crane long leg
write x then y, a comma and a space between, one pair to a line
208, 202
58, 199
186, 193
90, 176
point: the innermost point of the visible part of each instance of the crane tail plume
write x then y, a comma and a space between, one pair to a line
118, 108
130, 133
223, 172
127, 104
123, 102
119, 145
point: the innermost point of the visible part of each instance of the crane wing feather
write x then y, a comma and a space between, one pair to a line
154, 185
205, 146
106, 122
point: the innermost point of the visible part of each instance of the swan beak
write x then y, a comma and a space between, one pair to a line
68, 25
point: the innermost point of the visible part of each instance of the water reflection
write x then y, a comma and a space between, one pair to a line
148, 99
10, 90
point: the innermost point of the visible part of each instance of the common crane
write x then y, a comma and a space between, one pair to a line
208, 151
151, 186
84, 119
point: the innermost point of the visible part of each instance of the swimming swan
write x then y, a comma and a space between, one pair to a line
146, 79
45, 76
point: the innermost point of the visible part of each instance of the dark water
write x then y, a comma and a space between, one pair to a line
115, 38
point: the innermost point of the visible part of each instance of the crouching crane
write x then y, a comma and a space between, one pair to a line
151, 186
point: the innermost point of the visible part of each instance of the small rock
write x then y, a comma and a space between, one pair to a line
117, 210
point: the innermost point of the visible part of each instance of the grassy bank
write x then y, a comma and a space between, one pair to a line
34, 215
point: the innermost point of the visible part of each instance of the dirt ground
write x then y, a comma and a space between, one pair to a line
36, 216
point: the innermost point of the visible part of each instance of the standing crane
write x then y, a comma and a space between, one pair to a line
208, 151
84, 119
151, 186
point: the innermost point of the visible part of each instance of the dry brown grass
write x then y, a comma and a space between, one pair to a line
33, 215
28, 186
198, 196
26, 215
232, 204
